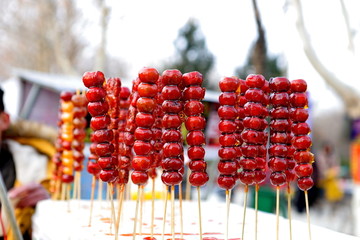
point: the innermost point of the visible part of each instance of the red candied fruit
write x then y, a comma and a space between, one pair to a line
195, 138
228, 98
255, 81
243, 86
303, 157
298, 100
169, 106
79, 122
279, 84
192, 78
198, 179
173, 163
171, 77
279, 112
279, 137
147, 90
305, 183
141, 163
248, 163
194, 93
260, 163
144, 134
107, 162
193, 108
252, 136
227, 112
92, 79
144, 119
299, 114
252, 109
142, 148
229, 84
255, 123
302, 142
93, 168
171, 92
197, 165
247, 177
278, 178
290, 175
172, 149
66, 96
124, 92
280, 125
227, 153
278, 150
277, 164
78, 166
171, 178
79, 112
298, 85
228, 140
95, 94
255, 95
146, 105
139, 177
249, 150
67, 178
226, 182
98, 108
171, 121
259, 176
148, 75
303, 170
104, 149
171, 135
279, 99
195, 123
196, 152
108, 175
103, 135
300, 128
79, 100
226, 126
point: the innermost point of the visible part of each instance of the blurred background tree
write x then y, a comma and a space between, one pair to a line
192, 53
258, 61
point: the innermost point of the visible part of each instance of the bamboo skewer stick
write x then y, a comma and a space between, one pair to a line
173, 212
79, 186
227, 194
92, 198
244, 214
199, 208
63, 192
75, 186
100, 190
121, 199
152, 208
165, 208
277, 211
111, 195
181, 211
289, 210
307, 212
136, 212
68, 188
256, 208
141, 209
188, 187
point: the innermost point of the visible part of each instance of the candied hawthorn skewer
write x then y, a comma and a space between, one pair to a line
228, 113
301, 139
67, 137
253, 136
79, 122
172, 162
195, 124
145, 105
279, 137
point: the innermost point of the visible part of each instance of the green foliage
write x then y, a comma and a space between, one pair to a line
192, 53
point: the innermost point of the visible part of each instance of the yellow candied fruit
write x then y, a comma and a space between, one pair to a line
67, 170
67, 116
67, 137
68, 162
67, 154
67, 106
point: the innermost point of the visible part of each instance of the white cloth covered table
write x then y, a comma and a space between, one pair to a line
53, 221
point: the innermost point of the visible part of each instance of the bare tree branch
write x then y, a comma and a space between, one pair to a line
350, 97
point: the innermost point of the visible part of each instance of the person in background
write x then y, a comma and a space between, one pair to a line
26, 149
